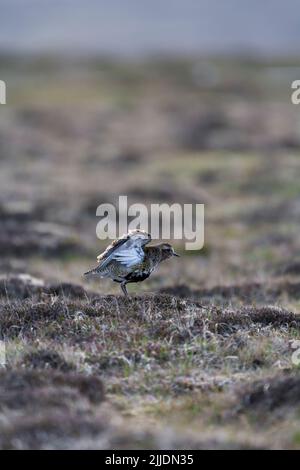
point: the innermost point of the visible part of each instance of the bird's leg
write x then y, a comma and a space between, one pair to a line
124, 289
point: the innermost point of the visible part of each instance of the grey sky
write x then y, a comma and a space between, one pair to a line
138, 26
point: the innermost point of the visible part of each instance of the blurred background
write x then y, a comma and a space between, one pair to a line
163, 101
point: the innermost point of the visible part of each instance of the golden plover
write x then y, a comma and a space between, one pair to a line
127, 259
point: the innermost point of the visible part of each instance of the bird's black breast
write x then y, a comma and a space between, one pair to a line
137, 277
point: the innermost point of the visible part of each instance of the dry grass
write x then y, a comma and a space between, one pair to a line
153, 353
200, 355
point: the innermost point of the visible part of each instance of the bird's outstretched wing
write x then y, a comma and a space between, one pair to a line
112, 247
127, 250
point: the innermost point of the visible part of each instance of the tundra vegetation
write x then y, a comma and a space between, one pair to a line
200, 356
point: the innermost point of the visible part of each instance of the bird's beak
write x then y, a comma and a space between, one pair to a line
176, 254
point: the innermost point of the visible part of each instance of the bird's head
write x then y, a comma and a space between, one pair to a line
168, 251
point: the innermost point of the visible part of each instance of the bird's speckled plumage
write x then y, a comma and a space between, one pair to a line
127, 259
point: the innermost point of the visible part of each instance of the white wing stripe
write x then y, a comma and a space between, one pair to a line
130, 256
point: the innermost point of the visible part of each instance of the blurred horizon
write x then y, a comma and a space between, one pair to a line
130, 28
166, 102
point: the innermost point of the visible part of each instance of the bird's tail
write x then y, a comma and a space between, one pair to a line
91, 272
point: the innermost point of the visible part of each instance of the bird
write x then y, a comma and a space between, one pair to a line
127, 259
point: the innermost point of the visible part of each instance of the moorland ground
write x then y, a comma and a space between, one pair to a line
200, 356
